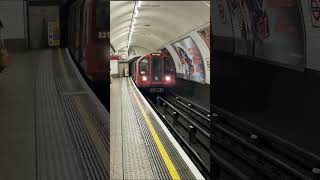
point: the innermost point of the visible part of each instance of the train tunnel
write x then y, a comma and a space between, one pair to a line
97, 89
151, 31
160, 55
265, 91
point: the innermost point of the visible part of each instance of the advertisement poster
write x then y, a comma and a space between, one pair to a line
269, 30
222, 30
315, 12
190, 59
205, 34
53, 34
222, 14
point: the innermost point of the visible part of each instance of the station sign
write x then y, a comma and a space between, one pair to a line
53, 34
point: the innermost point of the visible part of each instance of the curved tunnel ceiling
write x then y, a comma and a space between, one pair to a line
157, 23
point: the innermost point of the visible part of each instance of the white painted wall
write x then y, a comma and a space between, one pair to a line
12, 17
114, 67
38, 30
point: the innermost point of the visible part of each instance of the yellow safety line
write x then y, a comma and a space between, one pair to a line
172, 170
86, 119
64, 69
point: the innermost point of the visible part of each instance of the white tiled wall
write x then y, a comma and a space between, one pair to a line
12, 17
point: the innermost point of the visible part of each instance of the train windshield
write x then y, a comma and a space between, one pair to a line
156, 68
102, 15
168, 65
144, 66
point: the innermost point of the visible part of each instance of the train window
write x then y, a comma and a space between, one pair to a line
168, 65
156, 67
144, 66
102, 21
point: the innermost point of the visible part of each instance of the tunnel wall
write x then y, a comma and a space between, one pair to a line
312, 27
281, 100
196, 92
224, 40
13, 14
204, 50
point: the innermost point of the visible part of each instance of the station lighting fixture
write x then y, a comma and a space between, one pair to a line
133, 20
144, 78
167, 78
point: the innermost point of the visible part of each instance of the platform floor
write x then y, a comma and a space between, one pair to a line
51, 124
141, 146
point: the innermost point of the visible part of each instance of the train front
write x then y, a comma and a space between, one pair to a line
156, 73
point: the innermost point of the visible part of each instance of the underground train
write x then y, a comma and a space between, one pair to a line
89, 44
154, 72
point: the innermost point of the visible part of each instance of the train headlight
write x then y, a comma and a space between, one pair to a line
144, 78
167, 78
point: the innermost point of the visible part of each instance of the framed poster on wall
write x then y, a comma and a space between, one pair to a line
315, 12
190, 59
269, 30
205, 34
53, 34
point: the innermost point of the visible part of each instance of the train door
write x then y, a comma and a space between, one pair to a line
78, 12
72, 29
84, 31
133, 71
156, 68
169, 74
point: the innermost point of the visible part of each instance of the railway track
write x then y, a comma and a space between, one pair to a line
257, 153
194, 138
239, 150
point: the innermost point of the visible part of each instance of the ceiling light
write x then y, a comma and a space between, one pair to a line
139, 3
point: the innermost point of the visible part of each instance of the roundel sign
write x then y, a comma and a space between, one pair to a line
123, 56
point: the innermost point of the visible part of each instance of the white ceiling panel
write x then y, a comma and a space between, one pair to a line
157, 23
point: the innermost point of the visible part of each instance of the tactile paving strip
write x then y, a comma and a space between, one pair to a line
136, 164
158, 165
72, 131
56, 157
89, 126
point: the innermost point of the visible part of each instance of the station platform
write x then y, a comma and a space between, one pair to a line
141, 145
52, 126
